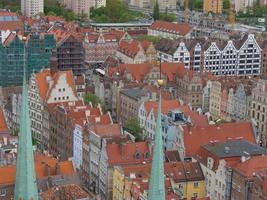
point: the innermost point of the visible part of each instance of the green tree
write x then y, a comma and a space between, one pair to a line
167, 17
133, 127
156, 11
226, 4
90, 97
153, 39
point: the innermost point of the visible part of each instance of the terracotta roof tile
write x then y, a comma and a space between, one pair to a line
166, 106
146, 44
128, 153
174, 28
138, 71
8, 173
106, 130
3, 124
41, 80
194, 137
71, 192
130, 48
171, 70
255, 164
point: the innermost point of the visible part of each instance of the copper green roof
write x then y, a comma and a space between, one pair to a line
25, 186
156, 189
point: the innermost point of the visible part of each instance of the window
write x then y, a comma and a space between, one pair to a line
195, 195
195, 184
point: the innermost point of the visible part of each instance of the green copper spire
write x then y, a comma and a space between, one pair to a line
156, 189
25, 187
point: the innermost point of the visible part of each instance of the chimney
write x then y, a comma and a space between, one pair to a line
245, 156
123, 149
57, 169
97, 119
47, 170
226, 150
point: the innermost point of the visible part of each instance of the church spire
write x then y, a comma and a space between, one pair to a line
25, 186
156, 189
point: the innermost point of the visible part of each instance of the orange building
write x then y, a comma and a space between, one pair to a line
214, 6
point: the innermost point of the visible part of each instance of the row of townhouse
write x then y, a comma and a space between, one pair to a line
229, 99
46, 88
224, 165
234, 100
183, 180
228, 58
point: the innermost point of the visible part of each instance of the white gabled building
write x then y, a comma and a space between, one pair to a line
47, 88
249, 56
229, 59
212, 58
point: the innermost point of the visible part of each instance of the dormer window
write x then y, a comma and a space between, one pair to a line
137, 156
146, 155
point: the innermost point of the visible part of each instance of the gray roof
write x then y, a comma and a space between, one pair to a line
134, 93
234, 148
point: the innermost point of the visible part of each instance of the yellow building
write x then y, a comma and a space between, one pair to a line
132, 181
214, 6
215, 100
118, 183
195, 189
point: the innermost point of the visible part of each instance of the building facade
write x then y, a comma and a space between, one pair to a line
31, 8
37, 53
258, 109
70, 54
214, 6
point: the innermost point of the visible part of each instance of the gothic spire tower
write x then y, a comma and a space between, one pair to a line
25, 186
156, 190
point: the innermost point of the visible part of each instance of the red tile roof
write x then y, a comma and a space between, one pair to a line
138, 71
11, 25
166, 106
69, 192
171, 70
3, 124
254, 165
130, 48
125, 153
197, 119
194, 137
8, 173
146, 44
41, 81
174, 28
106, 130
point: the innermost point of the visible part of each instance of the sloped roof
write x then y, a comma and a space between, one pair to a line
254, 165
179, 29
106, 130
41, 81
129, 48
171, 70
166, 106
126, 153
8, 173
194, 137
3, 124
138, 71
